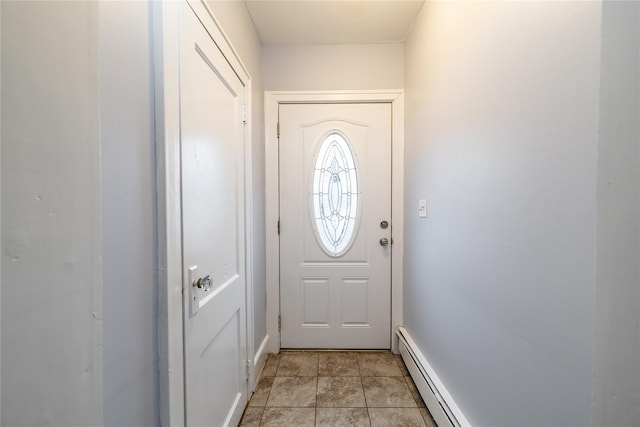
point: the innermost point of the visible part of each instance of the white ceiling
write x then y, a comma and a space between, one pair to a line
301, 22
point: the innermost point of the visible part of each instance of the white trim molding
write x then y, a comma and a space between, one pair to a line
259, 360
166, 33
167, 93
271, 101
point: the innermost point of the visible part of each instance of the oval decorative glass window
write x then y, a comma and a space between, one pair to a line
335, 194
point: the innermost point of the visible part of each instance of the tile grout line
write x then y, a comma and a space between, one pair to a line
315, 414
366, 402
269, 394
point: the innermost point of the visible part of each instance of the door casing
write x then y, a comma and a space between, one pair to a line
271, 101
166, 18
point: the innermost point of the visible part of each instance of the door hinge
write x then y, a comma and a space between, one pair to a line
244, 114
278, 129
278, 227
279, 323
248, 369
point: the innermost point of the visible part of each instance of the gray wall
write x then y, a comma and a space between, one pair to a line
129, 246
79, 280
617, 310
333, 67
51, 294
501, 139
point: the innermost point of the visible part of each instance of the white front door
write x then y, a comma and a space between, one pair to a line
212, 151
335, 225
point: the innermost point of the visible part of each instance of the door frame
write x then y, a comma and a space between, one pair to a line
272, 99
166, 52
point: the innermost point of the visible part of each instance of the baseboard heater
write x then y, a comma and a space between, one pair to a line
438, 400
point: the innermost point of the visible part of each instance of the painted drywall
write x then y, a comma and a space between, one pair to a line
501, 140
0, 216
78, 162
51, 293
616, 395
333, 67
129, 277
235, 21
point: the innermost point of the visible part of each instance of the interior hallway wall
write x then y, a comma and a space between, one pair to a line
77, 164
617, 310
128, 194
51, 292
236, 22
501, 140
333, 67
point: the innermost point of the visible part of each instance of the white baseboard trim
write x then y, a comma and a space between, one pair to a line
440, 403
259, 360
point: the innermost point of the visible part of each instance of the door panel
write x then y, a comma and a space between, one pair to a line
335, 291
212, 150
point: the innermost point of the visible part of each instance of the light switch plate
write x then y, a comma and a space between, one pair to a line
422, 208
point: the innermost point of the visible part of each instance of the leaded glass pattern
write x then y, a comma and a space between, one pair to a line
335, 194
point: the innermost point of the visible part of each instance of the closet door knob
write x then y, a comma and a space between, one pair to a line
203, 283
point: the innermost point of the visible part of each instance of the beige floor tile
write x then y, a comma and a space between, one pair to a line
298, 365
396, 417
271, 365
251, 417
338, 365
401, 365
288, 417
415, 393
387, 392
342, 417
428, 419
333, 389
378, 365
261, 393
340, 392
293, 391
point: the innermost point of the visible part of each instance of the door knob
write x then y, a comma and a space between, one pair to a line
384, 241
203, 283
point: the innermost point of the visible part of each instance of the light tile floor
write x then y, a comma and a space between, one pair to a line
336, 389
